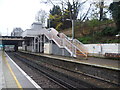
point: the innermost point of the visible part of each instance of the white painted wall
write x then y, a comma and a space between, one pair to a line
23, 47
47, 48
29, 48
103, 48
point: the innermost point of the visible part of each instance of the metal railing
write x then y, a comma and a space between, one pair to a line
57, 39
69, 46
51, 36
75, 43
62, 35
80, 46
63, 42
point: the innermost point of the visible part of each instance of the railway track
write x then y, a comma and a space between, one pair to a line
41, 79
66, 78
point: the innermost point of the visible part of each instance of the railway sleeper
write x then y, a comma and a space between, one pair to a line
70, 80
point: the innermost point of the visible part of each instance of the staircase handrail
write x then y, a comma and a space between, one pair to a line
62, 35
54, 37
80, 45
85, 54
57, 39
70, 46
62, 41
48, 35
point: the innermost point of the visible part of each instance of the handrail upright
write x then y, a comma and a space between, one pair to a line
62, 41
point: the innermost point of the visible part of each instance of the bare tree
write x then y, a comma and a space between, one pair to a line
41, 16
84, 15
100, 9
73, 5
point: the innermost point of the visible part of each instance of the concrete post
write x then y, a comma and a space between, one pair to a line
34, 45
63, 52
16, 48
44, 39
38, 44
41, 43
51, 51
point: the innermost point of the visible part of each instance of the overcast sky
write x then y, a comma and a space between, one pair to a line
19, 13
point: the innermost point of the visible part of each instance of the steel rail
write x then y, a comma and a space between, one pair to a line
85, 74
65, 80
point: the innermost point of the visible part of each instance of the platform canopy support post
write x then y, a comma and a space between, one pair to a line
16, 48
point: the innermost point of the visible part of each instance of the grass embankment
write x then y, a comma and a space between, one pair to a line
95, 32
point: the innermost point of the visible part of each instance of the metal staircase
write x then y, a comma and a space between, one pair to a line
74, 47
81, 50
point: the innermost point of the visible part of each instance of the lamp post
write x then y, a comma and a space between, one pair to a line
72, 27
72, 32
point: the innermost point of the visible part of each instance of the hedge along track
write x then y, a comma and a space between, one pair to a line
37, 65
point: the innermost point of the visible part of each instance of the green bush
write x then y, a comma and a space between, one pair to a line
85, 40
109, 31
94, 23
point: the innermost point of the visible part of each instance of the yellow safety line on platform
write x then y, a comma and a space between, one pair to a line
17, 82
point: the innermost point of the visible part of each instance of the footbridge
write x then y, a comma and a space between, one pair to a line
11, 40
50, 41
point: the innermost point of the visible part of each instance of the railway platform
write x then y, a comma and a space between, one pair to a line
99, 62
12, 76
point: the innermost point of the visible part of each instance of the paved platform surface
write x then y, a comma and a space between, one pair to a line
12, 76
100, 62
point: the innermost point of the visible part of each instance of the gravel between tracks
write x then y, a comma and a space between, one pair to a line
45, 83
36, 76
93, 81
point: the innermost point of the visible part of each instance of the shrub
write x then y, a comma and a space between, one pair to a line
109, 31
93, 23
85, 40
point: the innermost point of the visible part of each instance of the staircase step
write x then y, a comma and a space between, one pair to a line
80, 54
